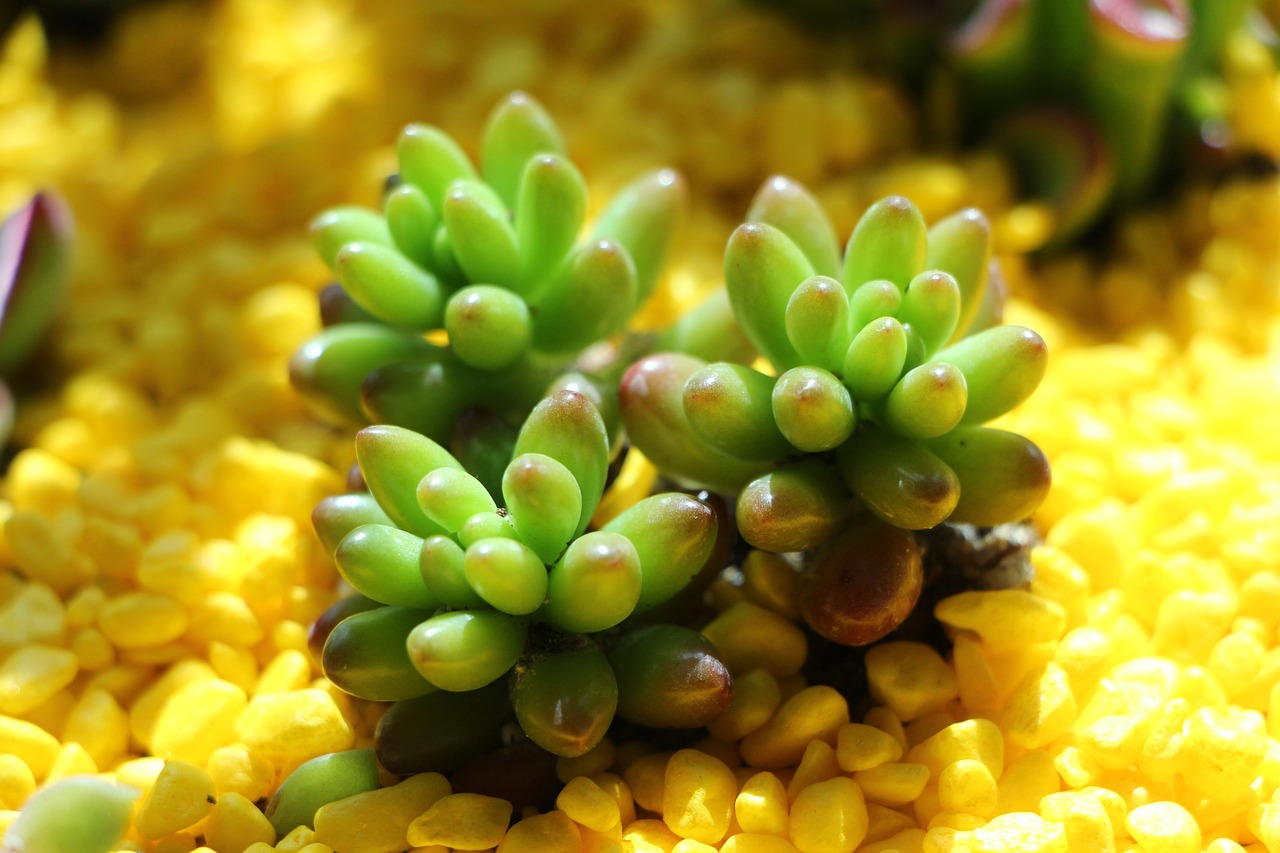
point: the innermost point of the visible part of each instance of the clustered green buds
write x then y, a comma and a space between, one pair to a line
462, 586
888, 361
494, 258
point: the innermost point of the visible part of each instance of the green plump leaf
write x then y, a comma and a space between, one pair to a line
486, 525
927, 402
77, 814
566, 427
566, 701
552, 208
899, 480
762, 268
440, 564
960, 244
449, 496
318, 782
507, 574
875, 359
518, 130
1002, 365
669, 677
873, 300
394, 460
481, 235
389, 286
595, 585
788, 206
489, 327
651, 398
813, 409
544, 503
442, 731
731, 407
431, 160
817, 322
330, 368
366, 655
337, 515
795, 508
1003, 476
35, 270
673, 535
381, 562
642, 218
889, 242
709, 331
466, 649
412, 220
591, 297
931, 306
338, 226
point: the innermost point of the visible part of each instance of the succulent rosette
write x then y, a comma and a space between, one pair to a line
886, 363
495, 258
475, 607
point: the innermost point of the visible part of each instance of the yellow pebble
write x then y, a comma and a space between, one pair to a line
17, 782
1099, 538
462, 821
894, 783
1041, 709
1005, 619
553, 832
297, 725
100, 725
238, 769
1083, 818
771, 582
588, 805
180, 796
756, 695
649, 836
645, 777
148, 705
1114, 741
32, 675
761, 807
976, 738
1189, 623
33, 615
967, 786
698, 796
1222, 754
92, 649
84, 606
1021, 831
1083, 654
910, 678
227, 618
297, 838
748, 636
861, 747
750, 842
142, 619
815, 713
199, 718
288, 670
883, 822
1164, 827
816, 765
235, 823
688, 845
72, 760
36, 747
829, 817
235, 664
907, 841
378, 821
44, 553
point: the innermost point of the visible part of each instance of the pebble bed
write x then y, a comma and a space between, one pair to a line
159, 570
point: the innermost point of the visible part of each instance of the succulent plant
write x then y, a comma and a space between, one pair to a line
494, 259
463, 587
35, 263
886, 363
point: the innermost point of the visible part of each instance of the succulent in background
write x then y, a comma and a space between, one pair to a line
466, 588
494, 259
886, 364
35, 264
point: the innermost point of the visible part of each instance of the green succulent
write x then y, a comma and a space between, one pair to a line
464, 587
495, 258
886, 363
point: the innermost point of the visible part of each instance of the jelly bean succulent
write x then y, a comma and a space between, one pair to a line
885, 364
508, 601
495, 259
